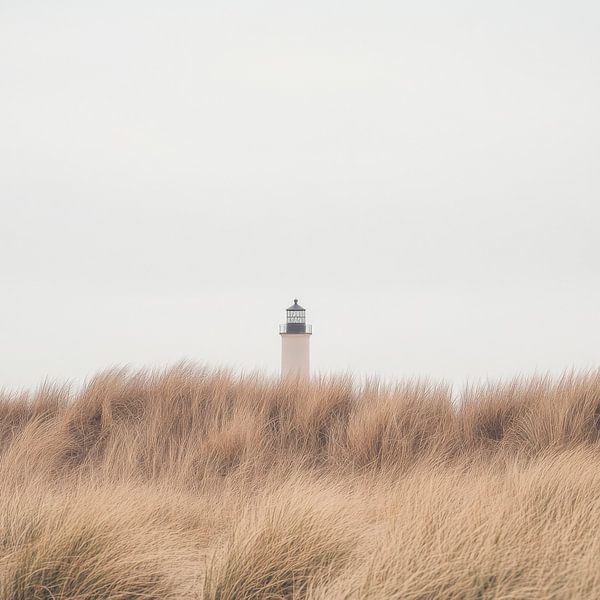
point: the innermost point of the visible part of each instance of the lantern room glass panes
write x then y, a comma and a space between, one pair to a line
296, 316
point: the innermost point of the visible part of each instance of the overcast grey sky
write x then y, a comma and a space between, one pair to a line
424, 176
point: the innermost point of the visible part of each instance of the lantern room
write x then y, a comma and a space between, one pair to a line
296, 320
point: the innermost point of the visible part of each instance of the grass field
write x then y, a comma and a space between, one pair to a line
199, 484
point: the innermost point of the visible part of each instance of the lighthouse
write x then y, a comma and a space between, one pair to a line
295, 343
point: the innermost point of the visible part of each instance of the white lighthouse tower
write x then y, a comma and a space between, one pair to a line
295, 343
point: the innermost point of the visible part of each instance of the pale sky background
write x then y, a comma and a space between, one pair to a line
423, 176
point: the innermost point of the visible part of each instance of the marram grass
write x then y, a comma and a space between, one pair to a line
199, 484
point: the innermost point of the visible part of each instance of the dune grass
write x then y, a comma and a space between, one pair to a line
191, 483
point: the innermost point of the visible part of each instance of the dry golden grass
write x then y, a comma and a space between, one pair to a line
196, 484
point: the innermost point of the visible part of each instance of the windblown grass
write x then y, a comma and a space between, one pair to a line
191, 483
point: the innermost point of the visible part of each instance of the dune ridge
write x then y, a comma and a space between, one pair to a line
197, 483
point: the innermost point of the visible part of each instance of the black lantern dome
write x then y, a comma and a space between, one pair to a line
296, 320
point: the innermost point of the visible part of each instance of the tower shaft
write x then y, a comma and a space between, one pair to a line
295, 354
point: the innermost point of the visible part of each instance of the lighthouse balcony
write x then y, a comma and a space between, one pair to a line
295, 328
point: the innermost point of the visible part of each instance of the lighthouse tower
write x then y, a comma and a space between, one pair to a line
295, 338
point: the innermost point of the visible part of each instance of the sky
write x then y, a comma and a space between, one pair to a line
423, 176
